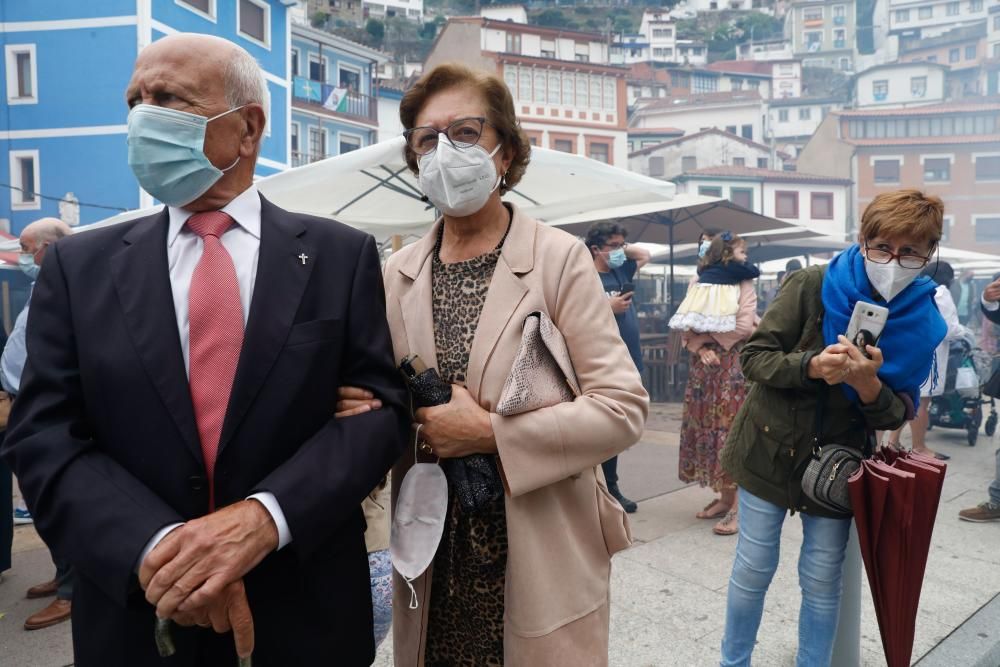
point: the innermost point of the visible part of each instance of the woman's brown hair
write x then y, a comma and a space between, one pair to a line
909, 214
499, 112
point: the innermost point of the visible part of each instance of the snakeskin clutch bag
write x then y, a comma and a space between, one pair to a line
542, 374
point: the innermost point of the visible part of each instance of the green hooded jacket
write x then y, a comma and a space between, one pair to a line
772, 434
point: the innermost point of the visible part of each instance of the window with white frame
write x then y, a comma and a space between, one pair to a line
317, 143
987, 168
610, 86
976, 6
296, 58
886, 171
253, 21
952, 8
205, 8
924, 13
24, 180
554, 94
524, 84
349, 142
540, 83
937, 169
812, 14
567, 89
987, 228
902, 15
317, 68
782, 115
293, 138
880, 89
349, 76
805, 113
918, 86
22, 74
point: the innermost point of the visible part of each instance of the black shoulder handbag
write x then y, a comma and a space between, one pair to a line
831, 466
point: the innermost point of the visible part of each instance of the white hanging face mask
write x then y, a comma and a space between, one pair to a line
418, 522
890, 279
458, 182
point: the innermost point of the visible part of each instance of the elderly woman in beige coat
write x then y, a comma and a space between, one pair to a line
524, 580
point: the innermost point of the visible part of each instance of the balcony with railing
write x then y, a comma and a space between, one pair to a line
334, 101
839, 44
839, 20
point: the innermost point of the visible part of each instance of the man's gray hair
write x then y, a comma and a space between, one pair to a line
244, 81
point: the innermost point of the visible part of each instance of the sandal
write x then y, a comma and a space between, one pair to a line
718, 514
730, 524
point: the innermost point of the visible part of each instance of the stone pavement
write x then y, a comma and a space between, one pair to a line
669, 590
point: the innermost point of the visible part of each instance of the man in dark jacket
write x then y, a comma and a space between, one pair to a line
174, 431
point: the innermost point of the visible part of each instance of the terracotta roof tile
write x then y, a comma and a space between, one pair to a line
930, 109
730, 171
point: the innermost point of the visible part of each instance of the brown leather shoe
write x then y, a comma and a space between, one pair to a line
57, 612
48, 589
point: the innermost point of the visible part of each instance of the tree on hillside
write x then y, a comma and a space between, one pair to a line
376, 29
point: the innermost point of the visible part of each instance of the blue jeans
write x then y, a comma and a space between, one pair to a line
821, 563
380, 569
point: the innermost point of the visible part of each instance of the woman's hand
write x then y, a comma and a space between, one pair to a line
458, 428
355, 401
862, 372
830, 365
708, 356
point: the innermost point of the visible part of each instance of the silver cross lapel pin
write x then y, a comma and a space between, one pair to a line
302, 258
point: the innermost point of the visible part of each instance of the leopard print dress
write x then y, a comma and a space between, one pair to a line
465, 618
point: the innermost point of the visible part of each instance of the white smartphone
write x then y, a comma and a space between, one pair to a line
866, 325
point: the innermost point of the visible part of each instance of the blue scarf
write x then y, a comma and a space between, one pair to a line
912, 332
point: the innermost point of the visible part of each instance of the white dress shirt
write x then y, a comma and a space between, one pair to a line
184, 248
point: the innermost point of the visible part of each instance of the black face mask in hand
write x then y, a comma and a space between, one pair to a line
475, 479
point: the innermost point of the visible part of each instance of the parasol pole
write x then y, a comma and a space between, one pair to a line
670, 286
847, 643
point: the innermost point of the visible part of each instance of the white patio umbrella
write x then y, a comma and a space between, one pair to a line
681, 219
372, 189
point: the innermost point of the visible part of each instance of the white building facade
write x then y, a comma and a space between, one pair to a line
900, 85
711, 148
739, 113
818, 203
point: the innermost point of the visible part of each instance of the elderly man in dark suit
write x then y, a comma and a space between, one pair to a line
174, 433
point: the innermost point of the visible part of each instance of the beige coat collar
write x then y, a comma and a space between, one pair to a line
505, 294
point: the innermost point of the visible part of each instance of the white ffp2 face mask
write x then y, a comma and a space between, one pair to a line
890, 279
418, 522
458, 182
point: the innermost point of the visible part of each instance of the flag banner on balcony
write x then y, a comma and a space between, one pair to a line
336, 100
306, 89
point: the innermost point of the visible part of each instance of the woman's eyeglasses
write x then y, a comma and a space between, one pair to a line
905, 261
462, 133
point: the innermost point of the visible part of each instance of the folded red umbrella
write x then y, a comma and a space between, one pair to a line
895, 498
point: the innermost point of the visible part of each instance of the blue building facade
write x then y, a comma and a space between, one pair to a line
63, 122
334, 107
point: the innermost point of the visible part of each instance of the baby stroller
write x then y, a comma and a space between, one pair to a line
961, 404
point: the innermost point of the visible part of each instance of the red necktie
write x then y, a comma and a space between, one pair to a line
215, 318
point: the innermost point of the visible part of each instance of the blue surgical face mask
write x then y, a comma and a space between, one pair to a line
616, 258
26, 262
166, 153
703, 248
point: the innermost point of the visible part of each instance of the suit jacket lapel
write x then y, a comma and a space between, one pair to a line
281, 280
142, 280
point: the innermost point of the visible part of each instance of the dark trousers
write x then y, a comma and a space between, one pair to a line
6, 514
610, 468
64, 577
